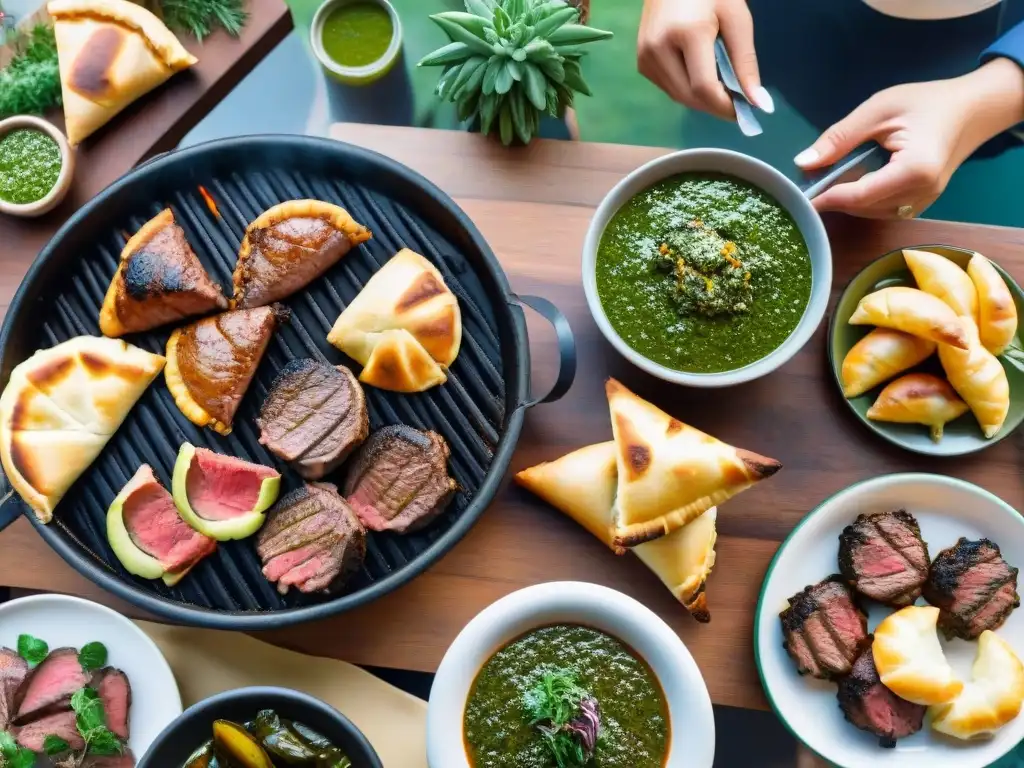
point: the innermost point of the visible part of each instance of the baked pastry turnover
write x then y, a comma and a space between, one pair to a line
912, 311
997, 312
879, 356
910, 660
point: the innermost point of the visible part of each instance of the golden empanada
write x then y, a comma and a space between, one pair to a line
997, 312
913, 311
944, 280
879, 356
978, 377
918, 398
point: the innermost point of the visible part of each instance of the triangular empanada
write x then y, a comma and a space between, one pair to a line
110, 53
160, 280
582, 485
670, 472
59, 409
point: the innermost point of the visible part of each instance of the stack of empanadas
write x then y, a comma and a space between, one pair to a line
60, 408
654, 490
404, 327
968, 316
110, 52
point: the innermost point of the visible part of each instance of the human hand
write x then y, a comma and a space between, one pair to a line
676, 52
930, 128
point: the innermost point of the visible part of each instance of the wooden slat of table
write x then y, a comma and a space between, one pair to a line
533, 205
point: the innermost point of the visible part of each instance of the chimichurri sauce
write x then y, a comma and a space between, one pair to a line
637, 296
634, 718
30, 163
357, 34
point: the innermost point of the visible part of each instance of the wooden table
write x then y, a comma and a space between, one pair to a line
533, 205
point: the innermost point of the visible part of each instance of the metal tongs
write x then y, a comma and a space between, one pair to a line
745, 117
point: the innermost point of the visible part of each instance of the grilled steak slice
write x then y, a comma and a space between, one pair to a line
51, 684
116, 693
60, 724
973, 587
313, 417
222, 487
398, 480
13, 671
883, 557
312, 540
824, 628
872, 707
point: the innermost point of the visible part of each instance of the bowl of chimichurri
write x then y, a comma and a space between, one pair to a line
707, 268
569, 669
356, 41
36, 166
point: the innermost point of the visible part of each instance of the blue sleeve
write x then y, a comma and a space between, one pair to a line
1009, 46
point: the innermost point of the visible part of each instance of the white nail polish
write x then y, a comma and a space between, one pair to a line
764, 100
806, 157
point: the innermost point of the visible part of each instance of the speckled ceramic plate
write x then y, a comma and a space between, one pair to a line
946, 509
960, 436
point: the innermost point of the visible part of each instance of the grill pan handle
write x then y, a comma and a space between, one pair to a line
10, 506
566, 348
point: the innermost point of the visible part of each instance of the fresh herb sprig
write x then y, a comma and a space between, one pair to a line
32, 649
13, 756
201, 17
30, 83
92, 656
92, 723
566, 715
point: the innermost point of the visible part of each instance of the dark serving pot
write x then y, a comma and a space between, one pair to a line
194, 727
479, 412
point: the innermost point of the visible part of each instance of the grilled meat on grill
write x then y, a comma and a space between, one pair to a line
883, 557
973, 587
872, 707
313, 417
824, 628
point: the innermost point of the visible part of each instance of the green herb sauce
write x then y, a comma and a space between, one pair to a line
30, 163
357, 34
634, 717
640, 300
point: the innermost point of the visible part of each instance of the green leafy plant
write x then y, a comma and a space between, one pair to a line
32, 649
511, 61
30, 83
201, 17
92, 656
13, 756
92, 723
55, 745
566, 715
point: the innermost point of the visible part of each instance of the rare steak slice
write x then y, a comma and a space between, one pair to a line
312, 540
13, 671
60, 724
220, 487
825, 629
398, 479
883, 556
116, 693
314, 416
973, 587
872, 707
50, 685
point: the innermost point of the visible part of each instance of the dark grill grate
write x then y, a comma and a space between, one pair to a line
245, 177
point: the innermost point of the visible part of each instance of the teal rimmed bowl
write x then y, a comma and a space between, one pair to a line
962, 435
946, 509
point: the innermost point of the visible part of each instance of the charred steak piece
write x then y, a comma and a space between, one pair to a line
825, 629
116, 694
883, 557
872, 707
398, 480
61, 724
973, 588
13, 671
313, 417
312, 540
51, 684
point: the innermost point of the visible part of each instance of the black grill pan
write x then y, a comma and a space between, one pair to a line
479, 411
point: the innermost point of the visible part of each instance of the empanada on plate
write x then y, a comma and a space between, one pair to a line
979, 378
670, 472
918, 398
582, 485
879, 356
944, 280
997, 312
913, 311
910, 660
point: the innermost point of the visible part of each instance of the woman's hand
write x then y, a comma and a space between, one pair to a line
676, 51
930, 129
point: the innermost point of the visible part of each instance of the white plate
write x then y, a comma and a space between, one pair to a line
70, 621
946, 509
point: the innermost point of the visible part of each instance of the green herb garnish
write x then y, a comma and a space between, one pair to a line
201, 17
566, 715
32, 649
92, 723
55, 745
30, 83
92, 656
13, 756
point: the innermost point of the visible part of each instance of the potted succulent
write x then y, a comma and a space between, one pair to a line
510, 62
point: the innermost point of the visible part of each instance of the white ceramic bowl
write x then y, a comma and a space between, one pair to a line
946, 509
64, 621
60, 187
760, 175
692, 742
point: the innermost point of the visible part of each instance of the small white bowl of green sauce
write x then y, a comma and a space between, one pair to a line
36, 166
356, 41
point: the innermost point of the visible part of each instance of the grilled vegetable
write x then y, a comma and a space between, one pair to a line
239, 745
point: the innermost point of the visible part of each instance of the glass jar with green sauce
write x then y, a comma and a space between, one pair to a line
357, 34
30, 164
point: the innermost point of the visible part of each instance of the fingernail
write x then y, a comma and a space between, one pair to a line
764, 100
806, 157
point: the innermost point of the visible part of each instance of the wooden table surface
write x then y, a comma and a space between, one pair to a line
533, 205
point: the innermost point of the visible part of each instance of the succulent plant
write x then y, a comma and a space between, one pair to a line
511, 61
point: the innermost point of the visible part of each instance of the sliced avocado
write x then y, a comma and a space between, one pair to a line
132, 558
240, 527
